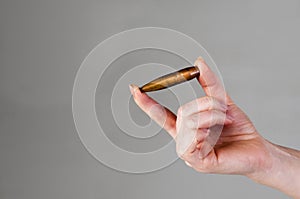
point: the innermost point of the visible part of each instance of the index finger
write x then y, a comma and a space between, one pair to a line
160, 114
210, 82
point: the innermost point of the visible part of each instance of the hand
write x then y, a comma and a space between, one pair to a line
192, 127
214, 136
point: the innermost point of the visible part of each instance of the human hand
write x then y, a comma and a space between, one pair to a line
194, 128
213, 135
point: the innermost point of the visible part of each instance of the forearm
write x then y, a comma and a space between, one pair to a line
280, 170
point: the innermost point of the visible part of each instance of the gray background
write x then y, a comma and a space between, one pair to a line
42, 44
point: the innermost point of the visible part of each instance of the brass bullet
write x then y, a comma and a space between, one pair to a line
171, 79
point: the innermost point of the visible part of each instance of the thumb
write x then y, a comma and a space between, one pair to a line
210, 82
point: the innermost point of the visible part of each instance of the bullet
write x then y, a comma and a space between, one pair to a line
171, 79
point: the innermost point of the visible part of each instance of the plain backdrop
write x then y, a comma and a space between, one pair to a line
42, 44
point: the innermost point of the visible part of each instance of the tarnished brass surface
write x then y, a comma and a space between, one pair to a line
171, 79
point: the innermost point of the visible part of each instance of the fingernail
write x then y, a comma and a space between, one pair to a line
131, 87
200, 58
188, 164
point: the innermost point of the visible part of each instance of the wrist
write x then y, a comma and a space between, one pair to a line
280, 169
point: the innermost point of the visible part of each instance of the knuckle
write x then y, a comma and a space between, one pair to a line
212, 116
209, 101
209, 114
214, 112
190, 122
205, 99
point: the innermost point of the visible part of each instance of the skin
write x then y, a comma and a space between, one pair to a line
239, 149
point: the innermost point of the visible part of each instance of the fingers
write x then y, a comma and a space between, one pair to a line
201, 104
161, 115
203, 113
200, 135
194, 121
201, 155
209, 81
207, 119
